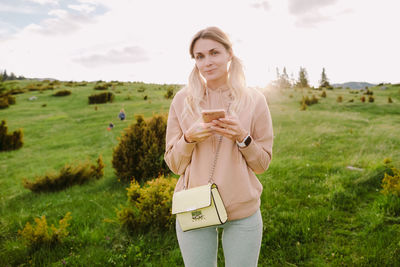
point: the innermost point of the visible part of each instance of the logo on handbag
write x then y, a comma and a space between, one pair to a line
197, 215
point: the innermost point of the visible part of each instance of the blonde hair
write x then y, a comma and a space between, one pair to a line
196, 85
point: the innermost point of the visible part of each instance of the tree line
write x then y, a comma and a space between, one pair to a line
9, 77
283, 81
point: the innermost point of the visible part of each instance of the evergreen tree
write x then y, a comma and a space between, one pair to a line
12, 77
303, 79
5, 76
284, 82
324, 80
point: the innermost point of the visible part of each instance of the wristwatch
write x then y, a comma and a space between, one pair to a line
246, 141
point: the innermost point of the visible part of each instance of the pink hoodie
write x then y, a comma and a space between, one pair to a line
235, 170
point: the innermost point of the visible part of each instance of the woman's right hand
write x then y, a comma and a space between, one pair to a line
198, 132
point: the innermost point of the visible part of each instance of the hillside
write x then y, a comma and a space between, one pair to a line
354, 85
322, 203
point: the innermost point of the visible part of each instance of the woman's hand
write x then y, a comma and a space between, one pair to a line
198, 132
230, 128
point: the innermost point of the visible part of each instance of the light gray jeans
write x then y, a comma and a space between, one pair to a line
241, 242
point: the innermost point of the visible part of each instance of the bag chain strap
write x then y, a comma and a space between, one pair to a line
215, 160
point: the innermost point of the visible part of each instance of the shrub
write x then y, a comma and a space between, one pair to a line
371, 99
62, 93
101, 86
11, 99
390, 100
339, 99
145, 97
42, 234
170, 92
12, 141
308, 102
140, 152
391, 183
362, 99
6, 100
4, 103
69, 175
141, 89
149, 206
33, 87
101, 98
323, 94
351, 100
368, 92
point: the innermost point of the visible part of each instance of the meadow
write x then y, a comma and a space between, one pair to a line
321, 203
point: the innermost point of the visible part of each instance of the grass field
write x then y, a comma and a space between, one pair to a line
316, 210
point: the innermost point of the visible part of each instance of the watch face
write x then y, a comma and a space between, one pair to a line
247, 141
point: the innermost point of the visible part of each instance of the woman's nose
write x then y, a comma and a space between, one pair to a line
208, 61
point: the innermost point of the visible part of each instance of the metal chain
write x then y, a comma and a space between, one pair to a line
215, 160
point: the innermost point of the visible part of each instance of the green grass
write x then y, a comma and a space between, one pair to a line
316, 211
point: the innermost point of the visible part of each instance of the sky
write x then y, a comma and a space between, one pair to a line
148, 40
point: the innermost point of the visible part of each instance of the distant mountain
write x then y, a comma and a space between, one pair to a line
354, 85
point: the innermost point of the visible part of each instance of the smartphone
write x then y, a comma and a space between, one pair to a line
212, 114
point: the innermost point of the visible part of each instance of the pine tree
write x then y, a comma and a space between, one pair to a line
4, 76
324, 80
284, 82
303, 79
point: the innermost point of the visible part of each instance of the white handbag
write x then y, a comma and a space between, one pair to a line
200, 206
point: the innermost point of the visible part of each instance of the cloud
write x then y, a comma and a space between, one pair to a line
82, 8
298, 7
130, 54
45, 2
264, 4
63, 22
311, 20
16, 9
309, 12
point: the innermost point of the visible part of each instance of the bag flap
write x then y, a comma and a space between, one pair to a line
191, 199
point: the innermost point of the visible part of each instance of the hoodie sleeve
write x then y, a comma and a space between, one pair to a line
258, 154
178, 152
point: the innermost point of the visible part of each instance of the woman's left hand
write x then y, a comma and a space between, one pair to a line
230, 128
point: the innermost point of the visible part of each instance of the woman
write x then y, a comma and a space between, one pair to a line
217, 81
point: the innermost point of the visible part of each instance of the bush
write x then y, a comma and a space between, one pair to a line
371, 99
391, 183
101, 98
323, 94
140, 152
390, 100
62, 93
101, 86
170, 92
12, 141
42, 234
368, 92
6, 100
69, 175
149, 206
308, 102
4, 103
362, 99
339, 99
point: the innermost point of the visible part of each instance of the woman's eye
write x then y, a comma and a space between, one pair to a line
199, 57
214, 52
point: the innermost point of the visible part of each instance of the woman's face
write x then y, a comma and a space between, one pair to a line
212, 60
